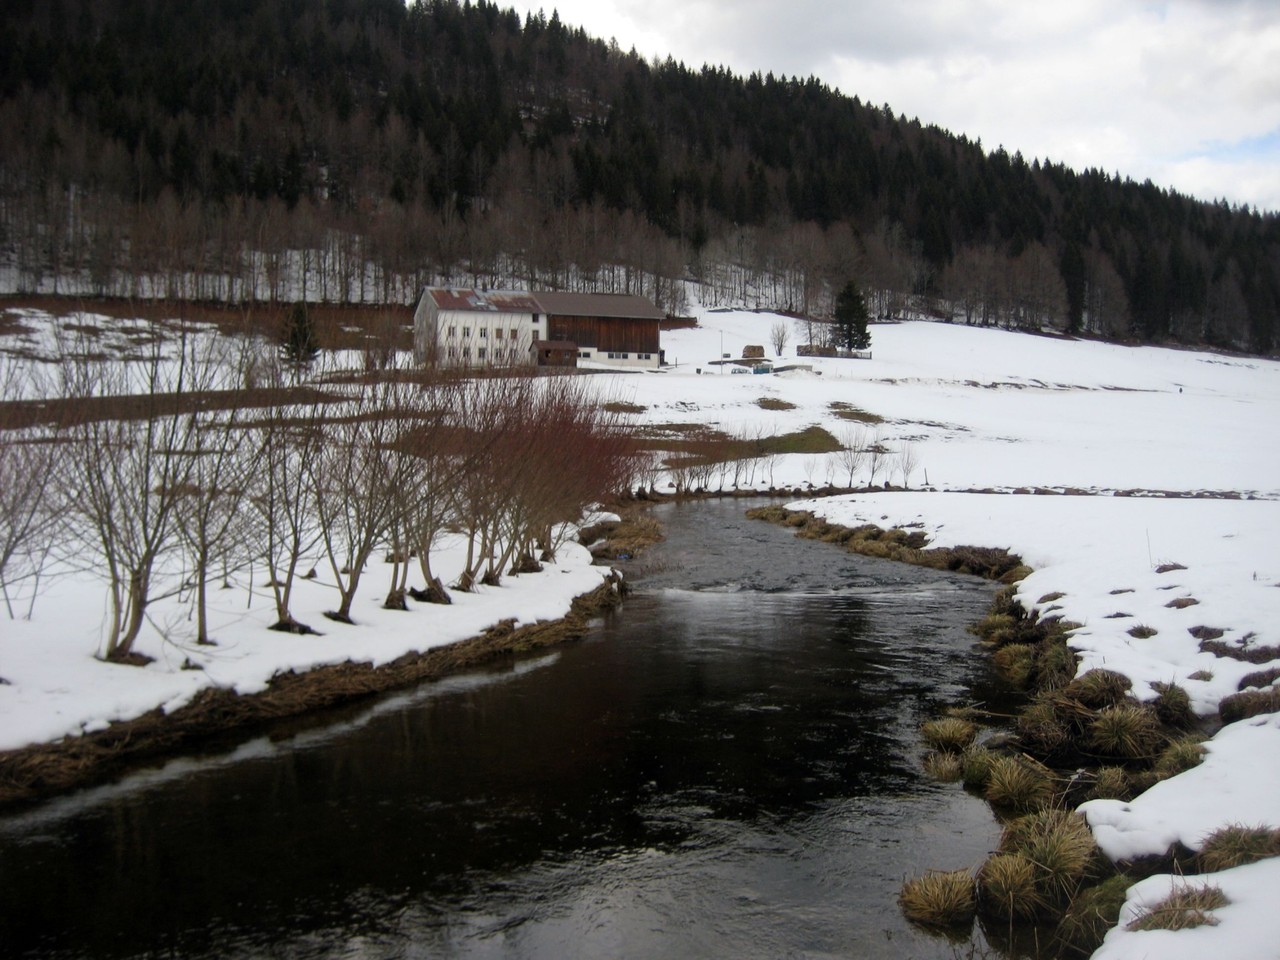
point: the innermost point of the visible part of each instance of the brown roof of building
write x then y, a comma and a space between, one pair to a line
486, 301
614, 305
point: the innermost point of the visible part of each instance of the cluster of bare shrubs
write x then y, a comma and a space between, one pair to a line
162, 474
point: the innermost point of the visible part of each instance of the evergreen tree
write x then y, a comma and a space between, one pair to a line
852, 318
298, 345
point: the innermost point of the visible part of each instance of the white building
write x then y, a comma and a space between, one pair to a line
469, 328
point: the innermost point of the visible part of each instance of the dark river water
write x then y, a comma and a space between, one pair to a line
728, 766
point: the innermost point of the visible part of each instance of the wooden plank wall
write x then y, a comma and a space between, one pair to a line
606, 334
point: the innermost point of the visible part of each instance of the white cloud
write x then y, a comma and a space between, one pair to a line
1165, 90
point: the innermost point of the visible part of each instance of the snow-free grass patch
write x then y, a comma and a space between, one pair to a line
1092, 912
1235, 845
939, 898
949, 734
774, 403
1017, 783
847, 411
1187, 907
943, 765
1249, 703
975, 767
1110, 783
623, 406
1127, 731
1007, 888
1179, 756
1173, 706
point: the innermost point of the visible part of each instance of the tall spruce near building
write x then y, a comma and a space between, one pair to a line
852, 318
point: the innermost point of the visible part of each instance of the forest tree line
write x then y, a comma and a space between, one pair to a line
351, 150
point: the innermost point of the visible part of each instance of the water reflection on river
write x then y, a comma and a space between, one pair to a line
728, 767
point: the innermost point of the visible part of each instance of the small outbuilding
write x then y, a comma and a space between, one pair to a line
555, 353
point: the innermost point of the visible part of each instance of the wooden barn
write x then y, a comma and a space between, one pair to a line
610, 328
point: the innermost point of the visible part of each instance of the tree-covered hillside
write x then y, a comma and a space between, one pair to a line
205, 139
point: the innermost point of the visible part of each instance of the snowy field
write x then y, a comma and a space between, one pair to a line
989, 416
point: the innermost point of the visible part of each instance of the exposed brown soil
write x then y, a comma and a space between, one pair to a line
42, 770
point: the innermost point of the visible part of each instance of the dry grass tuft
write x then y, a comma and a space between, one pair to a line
1111, 783
1056, 663
1098, 688
939, 898
1249, 703
1018, 783
1007, 887
1203, 675
1236, 845
1017, 574
975, 767
1259, 678
949, 734
1244, 652
1169, 567
1178, 756
944, 766
1173, 706
1181, 603
1060, 846
1186, 907
1041, 729
1092, 913
1015, 662
1050, 597
997, 628
1206, 633
1129, 731
1142, 631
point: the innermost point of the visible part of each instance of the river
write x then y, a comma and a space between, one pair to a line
728, 766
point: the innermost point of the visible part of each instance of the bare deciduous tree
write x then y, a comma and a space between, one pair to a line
29, 516
852, 452
289, 437
126, 471
357, 478
779, 336
908, 460
875, 455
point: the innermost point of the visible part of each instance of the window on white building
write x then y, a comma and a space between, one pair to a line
480, 353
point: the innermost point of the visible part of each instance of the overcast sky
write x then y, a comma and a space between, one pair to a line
1184, 92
